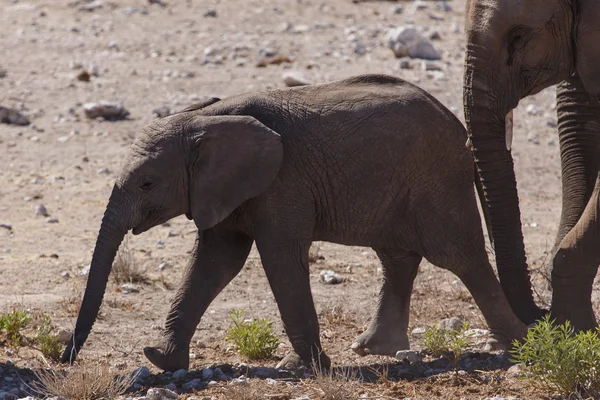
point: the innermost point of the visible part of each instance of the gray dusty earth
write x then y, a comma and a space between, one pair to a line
59, 55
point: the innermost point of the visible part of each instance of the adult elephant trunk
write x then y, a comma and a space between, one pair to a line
111, 234
488, 117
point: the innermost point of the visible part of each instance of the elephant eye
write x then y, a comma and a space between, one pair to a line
147, 184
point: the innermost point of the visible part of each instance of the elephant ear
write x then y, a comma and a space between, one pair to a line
234, 159
588, 45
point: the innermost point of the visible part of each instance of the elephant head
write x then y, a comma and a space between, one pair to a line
188, 163
516, 48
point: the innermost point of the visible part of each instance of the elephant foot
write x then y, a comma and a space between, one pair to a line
172, 360
500, 342
372, 342
292, 361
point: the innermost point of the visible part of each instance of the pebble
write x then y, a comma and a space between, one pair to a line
405, 63
84, 271
193, 384
92, 6
171, 386
407, 41
515, 371
6, 226
451, 324
412, 356
180, 374
241, 381
431, 66
207, 374
210, 14
142, 373
162, 111
64, 335
129, 288
160, 244
3, 73
13, 117
397, 10
52, 220
108, 110
443, 6
418, 331
330, 277
292, 78
161, 394
162, 266
41, 211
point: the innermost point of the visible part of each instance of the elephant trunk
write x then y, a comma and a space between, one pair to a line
487, 125
111, 234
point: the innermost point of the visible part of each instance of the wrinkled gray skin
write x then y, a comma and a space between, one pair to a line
516, 48
369, 161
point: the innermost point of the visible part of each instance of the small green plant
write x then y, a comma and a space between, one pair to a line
556, 359
253, 339
49, 344
12, 323
450, 344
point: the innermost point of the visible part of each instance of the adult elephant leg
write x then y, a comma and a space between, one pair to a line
575, 267
579, 134
286, 267
387, 332
217, 258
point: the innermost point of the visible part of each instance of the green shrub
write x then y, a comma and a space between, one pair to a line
49, 344
12, 323
556, 359
450, 344
253, 339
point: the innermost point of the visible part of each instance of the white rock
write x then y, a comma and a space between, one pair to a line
108, 110
418, 331
41, 211
161, 394
407, 41
129, 288
64, 335
330, 277
163, 265
451, 324
292, 78
411, 355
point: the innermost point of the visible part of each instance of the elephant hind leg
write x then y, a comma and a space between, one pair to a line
387, 331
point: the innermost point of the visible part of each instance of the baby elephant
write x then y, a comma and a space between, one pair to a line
367, 161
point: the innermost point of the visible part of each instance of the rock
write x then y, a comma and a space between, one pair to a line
443, 6
207, 374
52, 220
129, 288
142, 373
435, 35
264, 372
161, 394
8, 227
84, 271
397, 10
158, 2
64, 335
267, 52
420, 5
241, 381
271, 381
171, 386
41, 211
210, 14
108, 110
431, 66
219, 374
163, 265
515, 371
477, 332
83, 76
160, 244
91, 6
418, 331
292, 78
3, 73
330, 277
405, 63
180, 374
193, 384
411, 356
162, 111
407, 41
12, 117
360, 49
451, 324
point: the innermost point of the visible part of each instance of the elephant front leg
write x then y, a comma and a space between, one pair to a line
387, 332
286, 267
217, 258
574, 269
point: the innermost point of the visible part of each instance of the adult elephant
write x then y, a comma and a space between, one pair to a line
517, 48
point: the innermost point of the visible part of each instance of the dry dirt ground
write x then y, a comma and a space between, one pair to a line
147, 56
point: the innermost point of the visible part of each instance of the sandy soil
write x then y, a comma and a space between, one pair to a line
152, 56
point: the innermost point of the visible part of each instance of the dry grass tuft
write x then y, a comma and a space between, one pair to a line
81, 383
126, 268
314, 253
336, 314
124, 305
335, 384
242, 392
